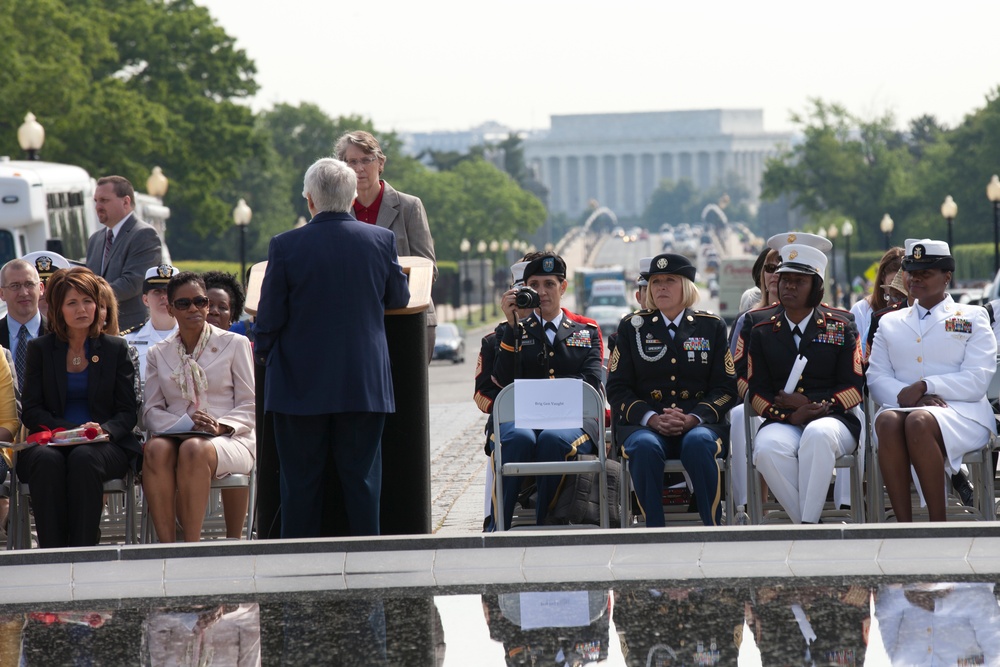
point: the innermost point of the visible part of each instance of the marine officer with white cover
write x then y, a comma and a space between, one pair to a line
160, 322
809, 413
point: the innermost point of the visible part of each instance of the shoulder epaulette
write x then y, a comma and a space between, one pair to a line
705, 313
132, 329
761, 308
835, 309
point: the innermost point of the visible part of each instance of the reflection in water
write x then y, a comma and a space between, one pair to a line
216, 635
550, 627
788, 622
939, 624
680, 625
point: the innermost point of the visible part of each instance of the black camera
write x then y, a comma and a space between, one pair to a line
527, 298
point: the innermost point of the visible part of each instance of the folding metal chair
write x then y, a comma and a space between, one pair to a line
981, 474
214, 523
116, 521
755, 502
503, 412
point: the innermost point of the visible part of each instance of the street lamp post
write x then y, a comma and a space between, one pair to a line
31, 136
494, 249
831, 234
993, 193
241, 216
846, 230
949, 209
157, 183
465, 247
886, 226
481, 248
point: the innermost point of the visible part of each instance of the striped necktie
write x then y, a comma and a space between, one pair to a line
108, 242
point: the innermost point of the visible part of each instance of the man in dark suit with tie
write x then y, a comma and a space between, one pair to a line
122, 252
21, 289
321, 333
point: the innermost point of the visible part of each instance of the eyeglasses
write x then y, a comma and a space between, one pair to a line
893, 296
17, 287
771, 268
361, 162
185, 304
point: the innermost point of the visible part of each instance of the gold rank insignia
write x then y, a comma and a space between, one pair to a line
656, 395
730, 366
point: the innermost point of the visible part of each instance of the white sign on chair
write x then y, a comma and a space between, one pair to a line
540, 404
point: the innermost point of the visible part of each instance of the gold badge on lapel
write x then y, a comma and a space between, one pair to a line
656, 395
95, 358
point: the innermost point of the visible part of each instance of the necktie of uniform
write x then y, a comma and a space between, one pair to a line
108, 242
549, 327
797, 335
672, 328
20, 359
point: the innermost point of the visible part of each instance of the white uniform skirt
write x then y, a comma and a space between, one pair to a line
961, 435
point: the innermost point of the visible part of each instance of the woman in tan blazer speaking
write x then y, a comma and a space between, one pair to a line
200, 379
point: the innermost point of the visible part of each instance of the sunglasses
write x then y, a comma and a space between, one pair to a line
771, 268
184, 304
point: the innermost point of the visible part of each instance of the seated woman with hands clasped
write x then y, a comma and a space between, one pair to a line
199, 379
930, 367
76, 377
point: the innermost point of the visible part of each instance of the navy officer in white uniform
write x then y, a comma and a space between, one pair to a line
160, 322
929, 369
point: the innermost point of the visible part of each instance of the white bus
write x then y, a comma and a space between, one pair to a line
50, 206
45, 206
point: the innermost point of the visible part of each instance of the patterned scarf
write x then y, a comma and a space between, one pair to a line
188, 375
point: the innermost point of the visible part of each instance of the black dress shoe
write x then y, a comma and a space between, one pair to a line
963, 487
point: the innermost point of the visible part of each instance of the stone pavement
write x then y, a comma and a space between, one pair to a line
458, 468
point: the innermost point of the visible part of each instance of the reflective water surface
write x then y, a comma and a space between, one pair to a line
782, 622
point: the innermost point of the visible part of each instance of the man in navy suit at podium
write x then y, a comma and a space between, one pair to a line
321, 333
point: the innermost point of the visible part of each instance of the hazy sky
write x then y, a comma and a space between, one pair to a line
452, 64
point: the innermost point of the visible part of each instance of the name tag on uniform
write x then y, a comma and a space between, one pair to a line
958, 325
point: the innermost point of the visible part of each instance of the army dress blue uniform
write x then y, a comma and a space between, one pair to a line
833, 376
575, 353
693, 371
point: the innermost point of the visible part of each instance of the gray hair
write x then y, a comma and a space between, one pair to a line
18, 264
365, 141
331, 184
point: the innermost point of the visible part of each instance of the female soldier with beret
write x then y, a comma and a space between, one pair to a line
546, 344
672, 382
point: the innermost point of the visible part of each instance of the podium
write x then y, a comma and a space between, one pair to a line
406, 480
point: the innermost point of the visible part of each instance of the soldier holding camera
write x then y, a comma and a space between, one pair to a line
546, 344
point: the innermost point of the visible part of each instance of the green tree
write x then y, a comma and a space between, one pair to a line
971, 159
124, 85
861, 168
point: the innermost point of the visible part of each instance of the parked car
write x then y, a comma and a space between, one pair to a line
449, 343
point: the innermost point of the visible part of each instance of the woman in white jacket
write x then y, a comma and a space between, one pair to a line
199, 408
930, 367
